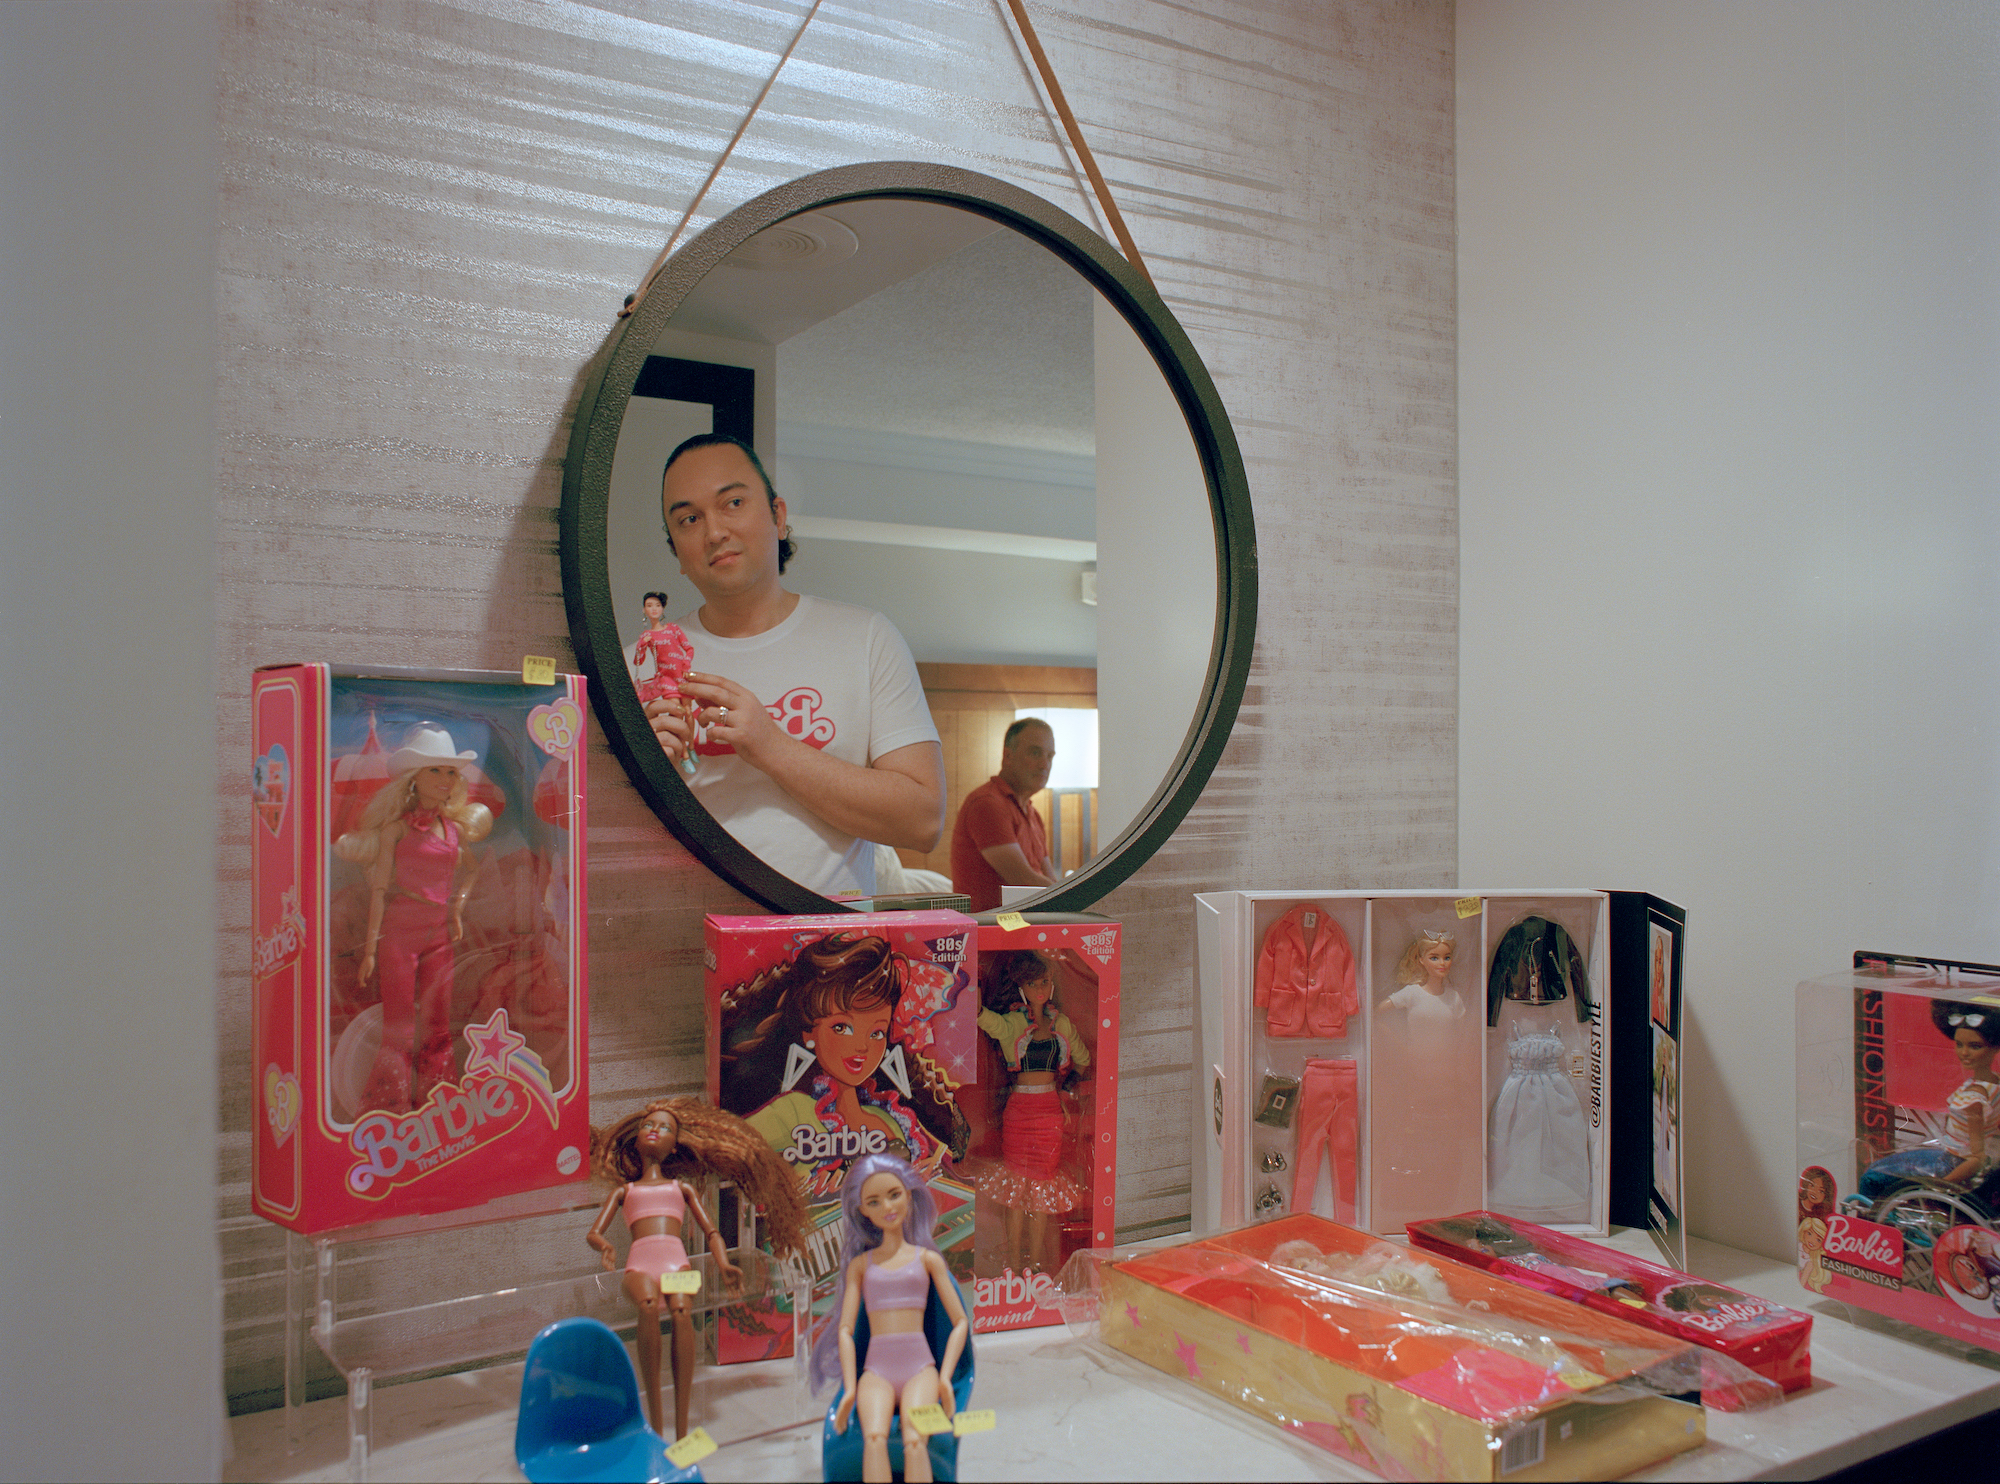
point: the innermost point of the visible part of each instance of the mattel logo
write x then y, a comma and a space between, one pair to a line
1868, 1245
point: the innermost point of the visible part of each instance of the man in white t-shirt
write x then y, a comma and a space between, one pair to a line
815, 739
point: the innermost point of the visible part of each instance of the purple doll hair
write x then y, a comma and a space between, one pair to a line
864, 1235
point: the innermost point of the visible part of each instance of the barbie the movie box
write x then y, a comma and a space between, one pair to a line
418, 1020
852, 1034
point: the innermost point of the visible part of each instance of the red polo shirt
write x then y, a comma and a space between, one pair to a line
992, 815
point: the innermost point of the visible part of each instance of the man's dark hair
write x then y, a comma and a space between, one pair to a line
1007, 737
711, 440
649, 598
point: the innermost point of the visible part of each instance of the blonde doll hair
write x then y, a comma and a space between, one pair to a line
1407, 971
395, 799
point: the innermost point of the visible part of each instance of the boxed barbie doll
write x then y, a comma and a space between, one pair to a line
1042, 1110
1765, 1338
417, 903
1899, 1142
836, 1037
1413, 1366
984, 1054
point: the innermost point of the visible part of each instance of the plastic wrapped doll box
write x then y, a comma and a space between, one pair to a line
1044, 1165
1769, 1339
1898, 1128
1525, 1387
888, 1001
456, 1070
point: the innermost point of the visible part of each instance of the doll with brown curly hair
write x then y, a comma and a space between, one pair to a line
648, 1157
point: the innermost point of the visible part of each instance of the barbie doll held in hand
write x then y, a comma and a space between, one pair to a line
665, 646
411, 845
892, 1279
646, 1155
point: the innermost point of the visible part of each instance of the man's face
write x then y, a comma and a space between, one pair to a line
722, 521
655, 611
1025, 762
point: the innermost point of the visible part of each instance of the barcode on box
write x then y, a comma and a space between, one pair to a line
1523, 1449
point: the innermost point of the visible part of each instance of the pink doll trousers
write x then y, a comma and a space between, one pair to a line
413, 964
1326, 1122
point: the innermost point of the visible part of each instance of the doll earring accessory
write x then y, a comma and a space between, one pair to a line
1274, 1162
895, 1071
797, 1060
1269, 1199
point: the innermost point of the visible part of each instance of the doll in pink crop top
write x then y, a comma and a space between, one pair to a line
891, 1268
411, 843
646, 1155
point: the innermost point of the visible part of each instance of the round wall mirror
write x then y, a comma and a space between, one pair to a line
985, 426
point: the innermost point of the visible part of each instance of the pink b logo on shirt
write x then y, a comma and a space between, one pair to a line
797, 711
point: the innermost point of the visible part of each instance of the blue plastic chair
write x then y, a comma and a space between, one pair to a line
840, 1453
580, 1415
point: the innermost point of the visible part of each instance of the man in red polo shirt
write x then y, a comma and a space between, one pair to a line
998, 839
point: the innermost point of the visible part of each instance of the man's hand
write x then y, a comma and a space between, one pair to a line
734, 718
1010, 864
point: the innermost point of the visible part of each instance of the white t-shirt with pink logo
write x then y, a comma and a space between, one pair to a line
832, 675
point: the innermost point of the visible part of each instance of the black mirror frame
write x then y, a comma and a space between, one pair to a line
586, 492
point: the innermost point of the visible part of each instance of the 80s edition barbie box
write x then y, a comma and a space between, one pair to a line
853, 1034
417, 909
1899, 1142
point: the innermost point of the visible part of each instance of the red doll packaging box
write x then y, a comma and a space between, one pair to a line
417, 909
851, 1034
1766, 1338
1899, 1142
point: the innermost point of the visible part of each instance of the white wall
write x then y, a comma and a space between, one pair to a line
1728, 409
110, 1318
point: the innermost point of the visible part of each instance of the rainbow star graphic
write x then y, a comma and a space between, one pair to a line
1185, 1350
499, 1048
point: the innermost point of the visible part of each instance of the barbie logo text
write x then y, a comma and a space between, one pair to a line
1036, 1290
1865, 1244
811, 1144
398, 1148
283, 944
1717, 1320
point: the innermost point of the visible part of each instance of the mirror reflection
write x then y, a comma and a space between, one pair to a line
970, 450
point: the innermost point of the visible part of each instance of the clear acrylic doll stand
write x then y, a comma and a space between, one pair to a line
468, 1330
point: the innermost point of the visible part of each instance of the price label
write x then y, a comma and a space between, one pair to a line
928, 1420
687, 1280
538, 669
691, 1449
1012, 921
1467, 906
971, 1422
1578, 1379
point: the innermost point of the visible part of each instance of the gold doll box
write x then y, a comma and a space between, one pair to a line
1493, 1382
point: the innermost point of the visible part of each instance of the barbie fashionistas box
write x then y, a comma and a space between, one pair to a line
418, 1021
1899, 1142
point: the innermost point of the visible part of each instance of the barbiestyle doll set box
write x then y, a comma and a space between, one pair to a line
418, 1015
984, 1055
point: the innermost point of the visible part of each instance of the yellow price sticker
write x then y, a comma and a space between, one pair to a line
1578, 1379
928, 1420
691, 1449
1467, 906
537, 669
1012, 921
1631, 1302
687, 1280
971, 1422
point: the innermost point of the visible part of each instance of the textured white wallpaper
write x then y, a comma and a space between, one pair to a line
430, 213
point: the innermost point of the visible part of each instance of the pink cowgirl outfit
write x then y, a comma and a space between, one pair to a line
658, 1253
414, 961
897, 1359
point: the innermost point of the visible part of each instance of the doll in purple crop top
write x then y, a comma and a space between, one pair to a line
411, 843
890, 1264
646, 1155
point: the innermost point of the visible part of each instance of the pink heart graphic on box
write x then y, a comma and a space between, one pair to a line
557, 728
281, 1102
271, 787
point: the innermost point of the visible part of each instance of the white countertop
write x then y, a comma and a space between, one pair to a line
1071, 1410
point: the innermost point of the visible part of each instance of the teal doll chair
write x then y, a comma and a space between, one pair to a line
580, 1417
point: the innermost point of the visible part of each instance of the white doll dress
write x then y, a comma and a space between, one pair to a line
1539, 1141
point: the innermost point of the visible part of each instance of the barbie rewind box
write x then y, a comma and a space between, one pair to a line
418, 1021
